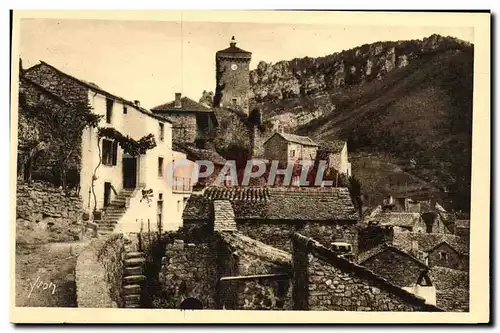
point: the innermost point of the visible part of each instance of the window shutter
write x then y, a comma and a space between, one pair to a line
115, 152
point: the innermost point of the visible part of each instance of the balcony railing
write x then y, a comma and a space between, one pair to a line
182, 185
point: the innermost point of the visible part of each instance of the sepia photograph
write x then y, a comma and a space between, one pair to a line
184, 163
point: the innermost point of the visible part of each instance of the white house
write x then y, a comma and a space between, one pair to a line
132, 192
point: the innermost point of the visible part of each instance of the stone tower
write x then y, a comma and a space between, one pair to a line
233, 78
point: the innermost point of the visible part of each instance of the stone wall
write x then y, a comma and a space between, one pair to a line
444, 256
35, 131
47, 214
395, 267
276, 148
184, 127
58, 83
223, 216
325, 281
188, 270
375, 235
255, 276
278, 234
452, 288
99, 272
454, 300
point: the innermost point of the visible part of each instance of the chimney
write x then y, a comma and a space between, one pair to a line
137, 103
178, 103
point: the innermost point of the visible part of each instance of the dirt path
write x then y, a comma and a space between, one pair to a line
45, 274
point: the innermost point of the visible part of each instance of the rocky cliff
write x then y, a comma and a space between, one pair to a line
308, 76
411, 100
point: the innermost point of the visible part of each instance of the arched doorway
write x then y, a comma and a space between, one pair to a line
191, 303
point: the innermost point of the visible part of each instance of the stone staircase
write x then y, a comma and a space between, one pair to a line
113, 212
133, 278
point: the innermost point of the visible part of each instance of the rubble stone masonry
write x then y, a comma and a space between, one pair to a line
325, 281
42, 209
188, 270
279, 233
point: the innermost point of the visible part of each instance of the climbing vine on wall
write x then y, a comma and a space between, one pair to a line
129, 145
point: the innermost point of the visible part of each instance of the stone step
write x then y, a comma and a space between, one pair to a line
105, 227
129, 255
134, 262
115, 209
107, 223
113, 215
132, 289
132, 298
132, 279
133, 270
132, 306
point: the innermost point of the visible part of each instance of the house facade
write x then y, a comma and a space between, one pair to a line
337, 156
290, 148
446, 255
191, 121
130, 192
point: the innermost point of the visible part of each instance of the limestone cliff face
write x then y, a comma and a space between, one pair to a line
310, 76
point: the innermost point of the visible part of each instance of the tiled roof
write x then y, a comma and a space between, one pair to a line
364, 256
244, 244
94, 87
398, 219
448, 278
234, 51
197, 208
320, 251
427, 241
274, 203
237, 193
194, 153
187, 105
303, 140
43, 90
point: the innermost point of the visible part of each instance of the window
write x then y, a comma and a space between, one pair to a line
109, 152
162, 131
160, 166
109, 110
292, 153
443, 255
159, 214
235, 101
179, 132
125, 109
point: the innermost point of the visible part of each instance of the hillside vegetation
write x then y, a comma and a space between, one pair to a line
407, 101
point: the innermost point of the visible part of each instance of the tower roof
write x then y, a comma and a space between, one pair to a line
234, 51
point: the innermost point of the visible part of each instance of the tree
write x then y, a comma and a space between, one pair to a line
57, 124
356, 195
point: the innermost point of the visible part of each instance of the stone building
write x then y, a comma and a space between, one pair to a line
323, 280
446, 255
191, 121
400, 268
235, 271
434, 249
113, 183
233, 78
290, 148
337, 156
412, 222
272, 215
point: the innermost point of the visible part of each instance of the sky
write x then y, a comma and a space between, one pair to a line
150, 61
